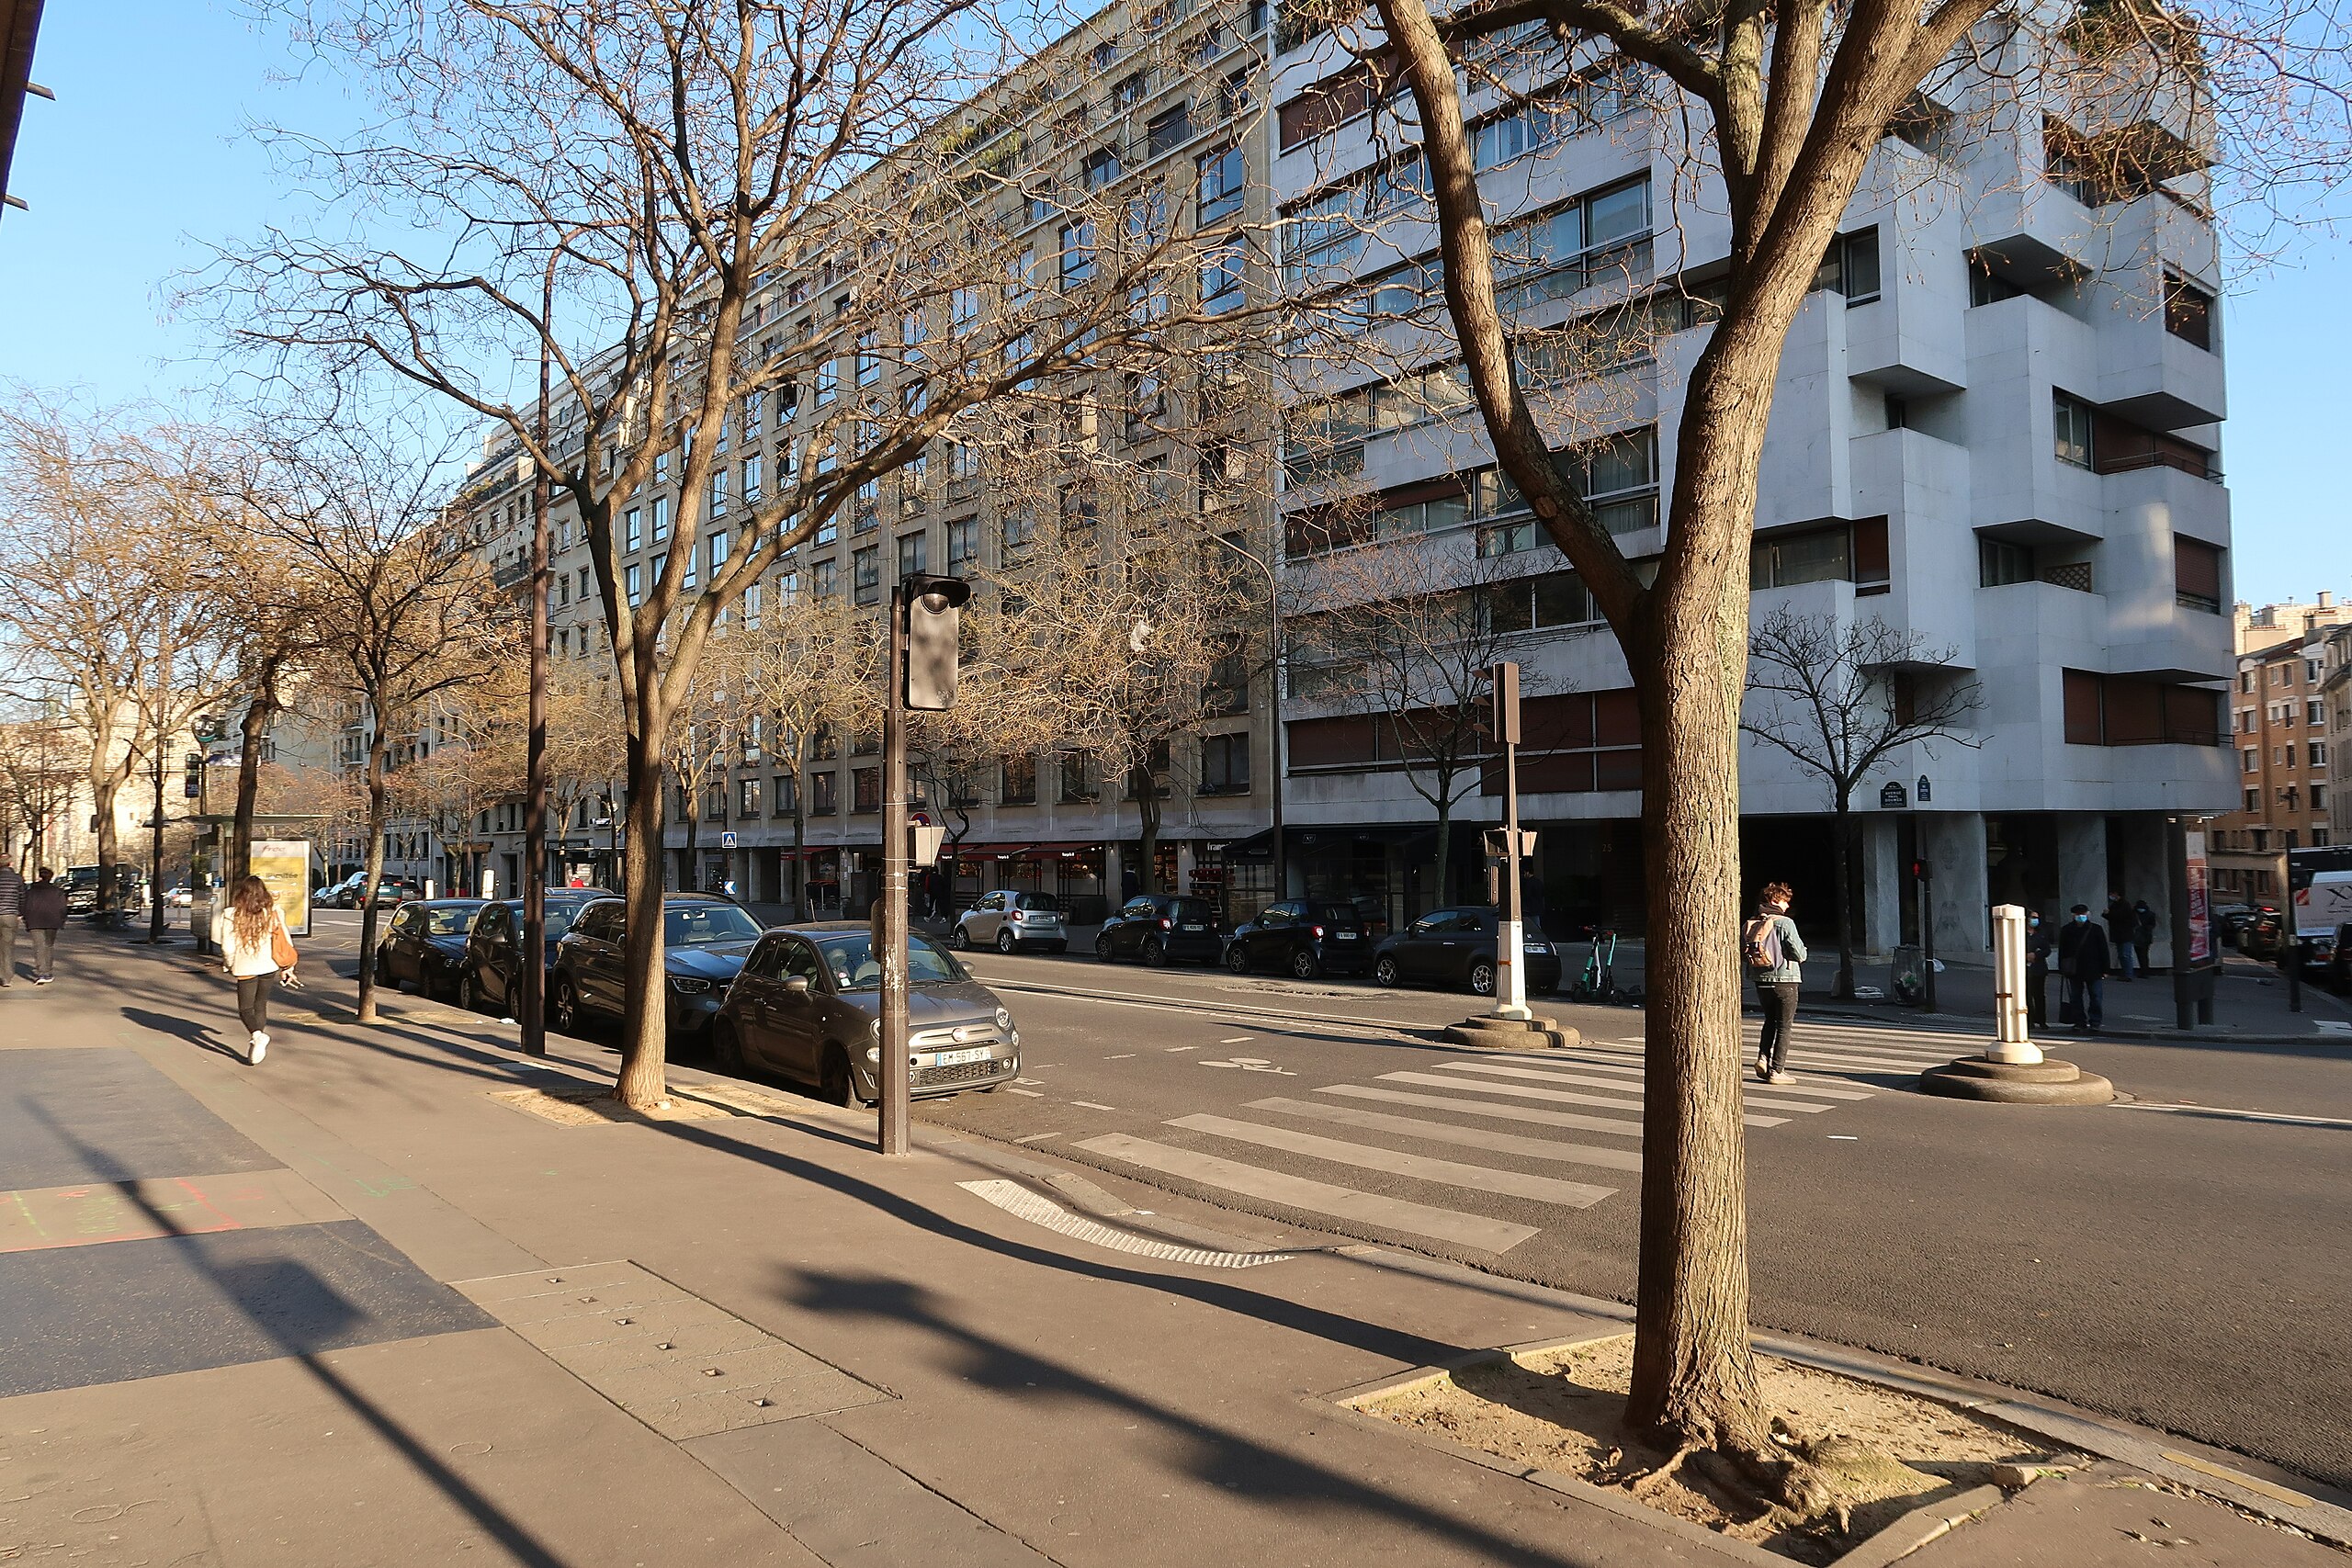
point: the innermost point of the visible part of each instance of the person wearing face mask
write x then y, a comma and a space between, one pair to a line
2082, 965
2038, 945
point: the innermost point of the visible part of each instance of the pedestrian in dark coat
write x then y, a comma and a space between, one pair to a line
44, 916
2039, 944
2082, 965
2143, 934
2121, 928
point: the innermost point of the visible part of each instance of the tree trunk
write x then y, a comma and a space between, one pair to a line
258, 713
1444, 885
1147, 792
155, 853
1693, 1375
1843, 829
645, 1027
103, 786
799, 841
378, 811
690, 876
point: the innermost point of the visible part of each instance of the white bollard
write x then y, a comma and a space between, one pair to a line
2010, 1043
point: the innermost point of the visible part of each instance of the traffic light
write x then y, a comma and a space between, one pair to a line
1919, 870
933, 608
193, 786
1504, 717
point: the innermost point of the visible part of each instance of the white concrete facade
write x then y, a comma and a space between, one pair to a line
1901, 406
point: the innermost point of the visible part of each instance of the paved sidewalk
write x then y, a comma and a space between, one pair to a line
358, 1305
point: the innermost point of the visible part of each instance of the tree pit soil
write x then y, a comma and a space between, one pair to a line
1561, 1410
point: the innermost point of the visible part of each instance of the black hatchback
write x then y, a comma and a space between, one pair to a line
487, 979
1302, 938
425, 944
1161, 928
1456, 947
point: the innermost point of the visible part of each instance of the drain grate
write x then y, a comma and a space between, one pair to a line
1023, 1204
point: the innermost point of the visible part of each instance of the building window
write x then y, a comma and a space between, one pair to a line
2121, 710
914, 553
2189, 311
869, 359
828, 382
1851, 266
865, 789
750, 482
2070, 423
2000, 563
747, 800
824, 793
2196, 575
1077, 777
1020, 776
1019, 526
1077, 253
963, 544
1101, 168
632, 530
1225, 764
2250, 759
824, 579
1223, 179
865, 574
718, 491
633, 582
782, 796
1224, 269
715, 548
1169, 129
2315, 712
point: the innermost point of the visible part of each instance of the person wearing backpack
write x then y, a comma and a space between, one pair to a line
1770, 949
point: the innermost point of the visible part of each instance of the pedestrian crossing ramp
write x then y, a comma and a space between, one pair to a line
1445, 1142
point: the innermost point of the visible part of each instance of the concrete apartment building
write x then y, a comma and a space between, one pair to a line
1996, 424
2283, 725
1136, 93
2335, 691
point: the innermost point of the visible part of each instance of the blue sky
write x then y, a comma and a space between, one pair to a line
145, 155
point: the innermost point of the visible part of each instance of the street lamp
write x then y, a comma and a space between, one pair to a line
1275, 690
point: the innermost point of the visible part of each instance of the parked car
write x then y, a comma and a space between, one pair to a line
81, 890
331, 896
705, 940
425, 944
1456, 947
2263, 934
1009, 919
180, 898
389, 890
1160, 929
486, 977
808, 1005
1302, 938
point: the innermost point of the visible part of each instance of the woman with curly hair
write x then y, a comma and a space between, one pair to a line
1771, 950
247, 930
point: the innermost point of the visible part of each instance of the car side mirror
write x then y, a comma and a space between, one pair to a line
797, 984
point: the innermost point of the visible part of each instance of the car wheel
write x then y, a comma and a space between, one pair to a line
468, 994
563, 1007
1304, 965
1005, 943
834, 1085
1385, 973
1481, 977
1237, 957
1103, 946
1155, 952
727, 1048
960, 940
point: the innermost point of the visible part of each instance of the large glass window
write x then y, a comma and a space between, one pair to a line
2070, 423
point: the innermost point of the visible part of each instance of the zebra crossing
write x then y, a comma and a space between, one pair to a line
1368, 1127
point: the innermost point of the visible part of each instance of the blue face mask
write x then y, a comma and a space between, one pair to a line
2082, 919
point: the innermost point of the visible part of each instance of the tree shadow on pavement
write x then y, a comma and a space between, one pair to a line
1217, 1456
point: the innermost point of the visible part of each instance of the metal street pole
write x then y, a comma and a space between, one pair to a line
532, 971
2184, 975
890, 910
1510, 960
155, 852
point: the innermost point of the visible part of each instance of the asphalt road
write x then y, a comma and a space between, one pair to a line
2179, 1260
2182, 1267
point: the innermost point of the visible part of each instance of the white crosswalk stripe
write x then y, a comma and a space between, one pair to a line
1839, 1063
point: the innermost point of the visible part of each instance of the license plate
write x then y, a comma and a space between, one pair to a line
1343, 936
1535, 947
957, 1058
1196, 928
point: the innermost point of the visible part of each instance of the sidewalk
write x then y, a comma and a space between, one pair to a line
361, 1305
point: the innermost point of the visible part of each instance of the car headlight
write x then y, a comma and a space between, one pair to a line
1003, 1020
688, 985
875, 1029
873, 1055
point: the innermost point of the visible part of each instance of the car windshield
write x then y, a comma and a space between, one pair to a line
1043, 901
453, 922
849, 958
700, 925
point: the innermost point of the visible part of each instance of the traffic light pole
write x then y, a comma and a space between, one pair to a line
1511, 955
890, 910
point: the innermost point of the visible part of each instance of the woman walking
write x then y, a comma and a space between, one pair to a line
1772, 952
255, 950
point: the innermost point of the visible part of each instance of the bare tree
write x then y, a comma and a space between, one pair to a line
801, 671
1769, 116
1837, 697
1413, 628
420, 622
728, 204
119, 590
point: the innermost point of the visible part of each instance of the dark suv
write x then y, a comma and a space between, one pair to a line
705, 939
1456, 947
1302, 938
1161, 928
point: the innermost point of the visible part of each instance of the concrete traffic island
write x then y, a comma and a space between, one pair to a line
1500, 1033
2045, 1081
2014, 1071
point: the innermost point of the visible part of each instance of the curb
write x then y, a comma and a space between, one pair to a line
2153, 1036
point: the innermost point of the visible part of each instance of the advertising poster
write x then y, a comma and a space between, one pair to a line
2201, 914
284, 864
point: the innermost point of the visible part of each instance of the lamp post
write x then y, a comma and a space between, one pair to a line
1274, 700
